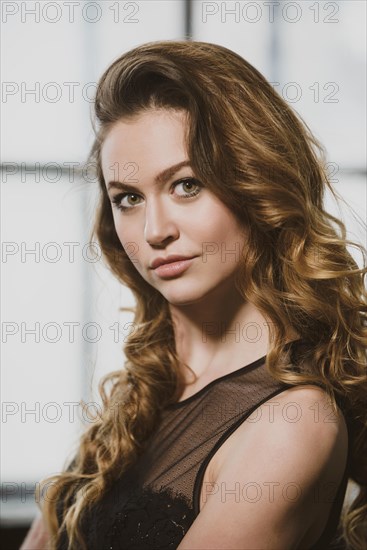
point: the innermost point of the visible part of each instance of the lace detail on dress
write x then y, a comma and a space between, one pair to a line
151, 519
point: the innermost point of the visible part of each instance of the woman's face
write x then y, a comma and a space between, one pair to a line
156, 217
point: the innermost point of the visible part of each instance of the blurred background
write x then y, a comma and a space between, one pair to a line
61, 325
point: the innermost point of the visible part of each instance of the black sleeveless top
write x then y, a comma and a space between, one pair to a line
153, 505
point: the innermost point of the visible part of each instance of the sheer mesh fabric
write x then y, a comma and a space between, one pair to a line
153, 505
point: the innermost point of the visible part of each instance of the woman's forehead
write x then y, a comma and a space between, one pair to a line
152, 142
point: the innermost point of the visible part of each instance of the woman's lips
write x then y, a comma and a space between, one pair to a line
166, 271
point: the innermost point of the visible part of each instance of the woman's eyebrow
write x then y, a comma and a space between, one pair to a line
161, 178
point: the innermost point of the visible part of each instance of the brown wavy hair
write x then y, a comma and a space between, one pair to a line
248, 147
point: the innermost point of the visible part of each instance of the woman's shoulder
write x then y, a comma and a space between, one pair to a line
37, 537
292, 457
287, 464
300, 426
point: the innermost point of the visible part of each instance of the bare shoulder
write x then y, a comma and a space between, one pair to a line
294, 418
304, 420
275, 466
37, 537
306, 411
309, 404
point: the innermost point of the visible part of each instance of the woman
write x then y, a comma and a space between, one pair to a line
240, 414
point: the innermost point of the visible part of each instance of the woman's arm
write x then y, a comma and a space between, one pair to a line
37, 537
269, 490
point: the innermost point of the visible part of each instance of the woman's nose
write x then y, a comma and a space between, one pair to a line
160, 224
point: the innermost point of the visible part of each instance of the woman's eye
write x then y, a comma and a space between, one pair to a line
117, 200
190, 187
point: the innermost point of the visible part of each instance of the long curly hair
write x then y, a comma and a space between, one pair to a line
248, 147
